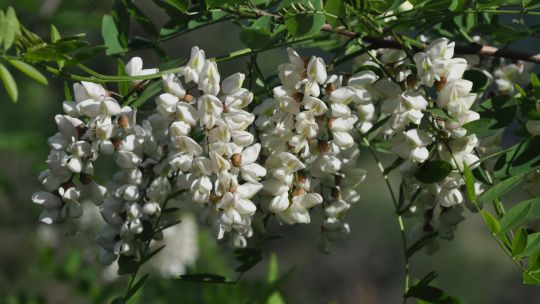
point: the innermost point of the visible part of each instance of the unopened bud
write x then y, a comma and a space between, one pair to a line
236, 159
330, 122
123, 121
214, 198
330, 88
336, 192
81, 130
85, 179
323, 146
299, 191
440, 84
302, 178
188, 98
298, 96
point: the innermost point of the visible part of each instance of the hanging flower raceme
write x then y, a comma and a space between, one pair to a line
306, 133
206, 142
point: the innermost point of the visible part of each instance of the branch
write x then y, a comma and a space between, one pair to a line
375, 43
471, 49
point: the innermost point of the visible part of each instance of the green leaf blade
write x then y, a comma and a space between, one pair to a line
9, 83
29, 70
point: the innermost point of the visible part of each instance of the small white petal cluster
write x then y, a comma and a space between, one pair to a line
306, 134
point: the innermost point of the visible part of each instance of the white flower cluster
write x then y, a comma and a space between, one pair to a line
416, 136
306, 134
218, 149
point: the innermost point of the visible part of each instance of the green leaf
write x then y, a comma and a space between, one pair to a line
255, 38
273, 276
11, 29
457, 5
533, 245
181, 5
423, 291
29, 70
440, 113
67, 91
9, 83
492, 223
501, 110
426, 239
249, 257
500, 189
515, 216
430, 294
478, 126
433, 171
151, 90
203, 278
305, 24
55, 34
127, 265
216, 3
147, 257
522, 158
133, 290
44, 54
137, 14
469, 183
336, 8
519, 243
531, 278
110, 35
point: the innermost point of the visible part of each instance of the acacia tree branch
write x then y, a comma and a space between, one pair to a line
376, 42
471, 49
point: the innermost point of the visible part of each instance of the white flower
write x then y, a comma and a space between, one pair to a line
298, 211
134, 67
210, 78
195, 65
58, 208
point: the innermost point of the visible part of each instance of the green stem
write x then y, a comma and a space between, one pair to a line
396, 207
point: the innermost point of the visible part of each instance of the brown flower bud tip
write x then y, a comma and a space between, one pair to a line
336, 192
323, 146
440, 84
445, 134
149, 168
165, 149
298, 96
330, 88
330, 122
302, 178
232, 189
411, 81
68, 184
85, 178
306, 62
116, 143
236, 159
81, 130
123, 121
225, 108
214, 198
188, 98
337, 179
298, 191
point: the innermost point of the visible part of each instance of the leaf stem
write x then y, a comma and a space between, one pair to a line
399, 217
